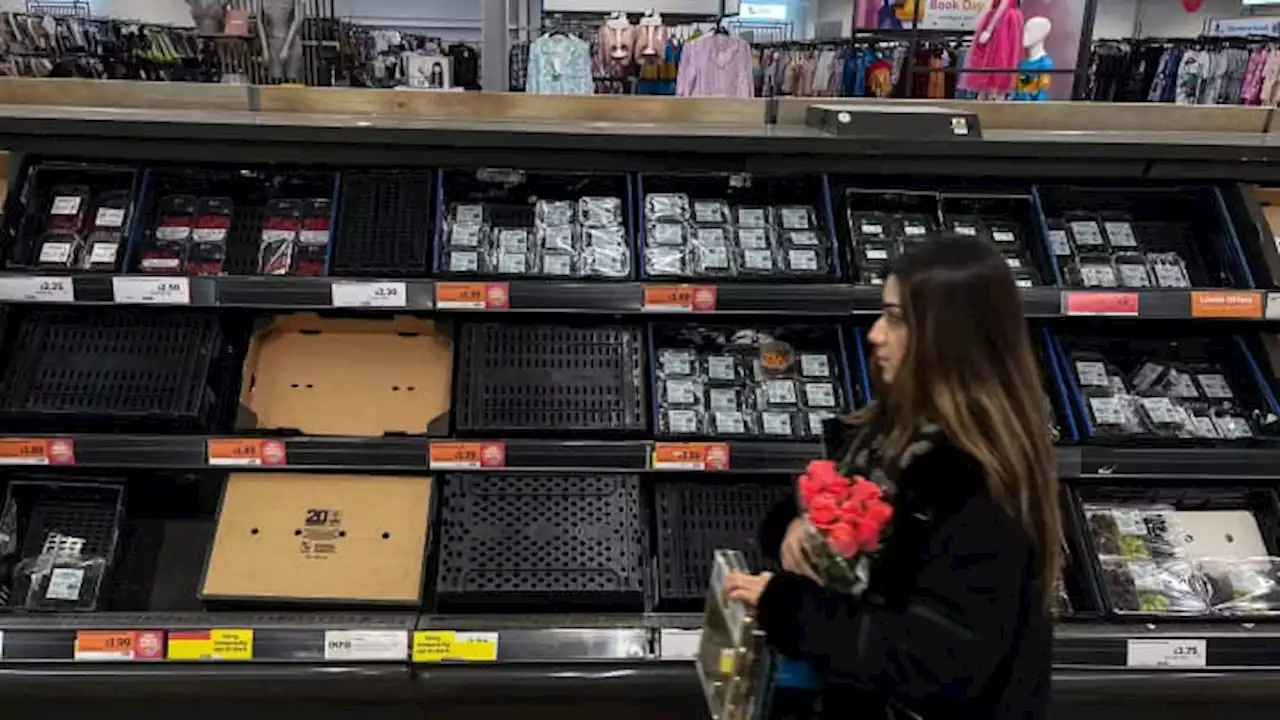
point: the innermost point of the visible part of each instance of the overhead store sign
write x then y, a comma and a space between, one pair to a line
707, 8
1243, 27
763, 12
951, 14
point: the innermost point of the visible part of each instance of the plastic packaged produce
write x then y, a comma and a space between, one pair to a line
106, 231
208, 252
1248, 586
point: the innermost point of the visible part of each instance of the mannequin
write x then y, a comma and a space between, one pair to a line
617, 38
278, 24
996, 46
209, 16
1033, 82
651, 38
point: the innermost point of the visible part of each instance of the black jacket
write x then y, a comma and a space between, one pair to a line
952, 624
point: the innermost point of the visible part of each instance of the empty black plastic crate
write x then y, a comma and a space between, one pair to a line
544, 378
384, 223
90, 511
540, 541
73, 368
694, 520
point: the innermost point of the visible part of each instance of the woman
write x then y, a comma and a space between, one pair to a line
955, 620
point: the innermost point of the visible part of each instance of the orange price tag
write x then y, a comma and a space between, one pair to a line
690, 456
1235, 304
234, 452
119, 645
473, 296
680, 298
467, 455
37, 451
1108, 304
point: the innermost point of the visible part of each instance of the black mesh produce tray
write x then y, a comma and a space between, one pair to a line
539, 540
87, 510
89, 368
547, 378
693, 521
384, 223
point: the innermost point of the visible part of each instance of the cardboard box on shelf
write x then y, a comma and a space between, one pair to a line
320, 539
327, 376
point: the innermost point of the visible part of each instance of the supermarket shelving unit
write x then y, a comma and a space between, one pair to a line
637, 657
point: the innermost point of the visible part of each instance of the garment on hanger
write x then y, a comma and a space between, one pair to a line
466, 66
715, 65
1001, 51
560, 64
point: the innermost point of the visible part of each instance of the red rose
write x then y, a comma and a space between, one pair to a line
807, 487
821, 469
878, 514
823, 511
865, 491
837, 485
867, 533
843, 540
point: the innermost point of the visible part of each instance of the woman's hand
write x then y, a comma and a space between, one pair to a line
747, 588
795, 558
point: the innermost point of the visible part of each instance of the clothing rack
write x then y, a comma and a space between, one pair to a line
380, 54
1202, 70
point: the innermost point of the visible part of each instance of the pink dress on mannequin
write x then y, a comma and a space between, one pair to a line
1003, 50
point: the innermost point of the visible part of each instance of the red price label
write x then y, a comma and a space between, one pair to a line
119, 645
232, 452
473, 296
1100, 304
467, 455
37, 451
690, 456
680, 298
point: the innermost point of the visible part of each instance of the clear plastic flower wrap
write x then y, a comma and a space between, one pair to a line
845, 520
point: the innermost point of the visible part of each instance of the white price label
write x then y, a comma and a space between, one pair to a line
390, 645
369, 294
64, 584
65, 205
679, 644
1093, 374
1174, 654
37, 288
109, 218
104, 253
152, 291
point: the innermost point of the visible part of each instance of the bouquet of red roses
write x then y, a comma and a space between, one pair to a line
844, 521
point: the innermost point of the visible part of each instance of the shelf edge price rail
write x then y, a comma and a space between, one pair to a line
679, 298
1090, 303
246, 452
1173, 654
217, 645
467, 455
690, 456
143, 290
473, 296
366, 645
375, 294
438, 646
37, 289
37, 451
119, 645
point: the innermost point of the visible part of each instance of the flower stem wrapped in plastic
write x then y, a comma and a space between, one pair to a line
845, 520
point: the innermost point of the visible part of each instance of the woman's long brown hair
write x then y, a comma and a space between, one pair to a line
970, 369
